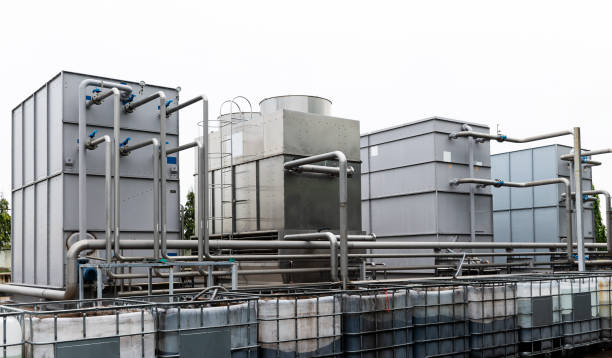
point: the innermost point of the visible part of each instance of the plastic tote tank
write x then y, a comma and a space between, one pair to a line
89, 328
225, 324
439, 318
377, 322
491, 313
579, 311
538, 314
300, 324
604, 283
11, 333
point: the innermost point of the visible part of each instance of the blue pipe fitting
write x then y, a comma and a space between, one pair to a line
585, 197
88, 98
167, 104
128, 99
125, 142
93, 133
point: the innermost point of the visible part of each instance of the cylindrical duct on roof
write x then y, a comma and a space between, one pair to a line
299, 103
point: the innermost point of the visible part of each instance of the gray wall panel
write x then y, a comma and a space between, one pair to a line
57, 244
522, 225
42, 250
29, 235
55, 139
41, 128
28, 141
521, 171
392, 216
17, 152
546, 226
544, 167
500, 169
17, 236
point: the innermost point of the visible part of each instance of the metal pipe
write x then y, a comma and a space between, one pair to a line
128, 108
499, 183
125, 150
606, 194
108, 158
333, 242
471, 143
181, 147
82, 142
587, 153
504, 138
308, 168
99, 97
71, 276
343, 194
578, 198
169, 111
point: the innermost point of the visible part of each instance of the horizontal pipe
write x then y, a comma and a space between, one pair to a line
181, 147
322, 169
99, 97
127, 149
169, 111
587, 153
504, 138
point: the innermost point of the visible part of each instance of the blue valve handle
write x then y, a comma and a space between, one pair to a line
125, 142
129, 99
167, 103
93, 133
96, 90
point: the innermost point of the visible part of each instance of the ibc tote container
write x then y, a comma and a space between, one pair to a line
88, 328
225, 324
439, 318
604, 283
299, 322
11, 333
538, 314
377, 322
492, 318
579, 310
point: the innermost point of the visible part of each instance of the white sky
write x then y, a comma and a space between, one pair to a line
530, 66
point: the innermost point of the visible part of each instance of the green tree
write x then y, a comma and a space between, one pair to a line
189, 216
600, 229
5, 224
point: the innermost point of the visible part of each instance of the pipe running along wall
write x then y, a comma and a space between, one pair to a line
565, 182
72, 256
83, 105
606, 194
108, 158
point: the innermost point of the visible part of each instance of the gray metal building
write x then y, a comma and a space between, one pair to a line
406, 195
45, 175
535, 214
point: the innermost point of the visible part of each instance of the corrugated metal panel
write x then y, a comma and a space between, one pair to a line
522, 225
17, 236
500, 169
56, 232
17, 139
42, 243
55, 138
28, 141
29, 236
41, 128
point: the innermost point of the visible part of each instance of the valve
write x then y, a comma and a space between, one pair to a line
502, 138
125, 142
96, 90
93, 133
128, 99
167, 103
498, 183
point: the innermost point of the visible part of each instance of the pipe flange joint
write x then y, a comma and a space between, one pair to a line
499, 183
501, 138
126, 100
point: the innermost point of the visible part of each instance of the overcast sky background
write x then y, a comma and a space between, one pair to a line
529, 66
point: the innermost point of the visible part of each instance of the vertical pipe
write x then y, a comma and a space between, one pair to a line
107, 195
155, 198
204, 179
116, 196
578, 200
100, 284
471, 143
164, 171
234, 276
568, 218
342, 164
